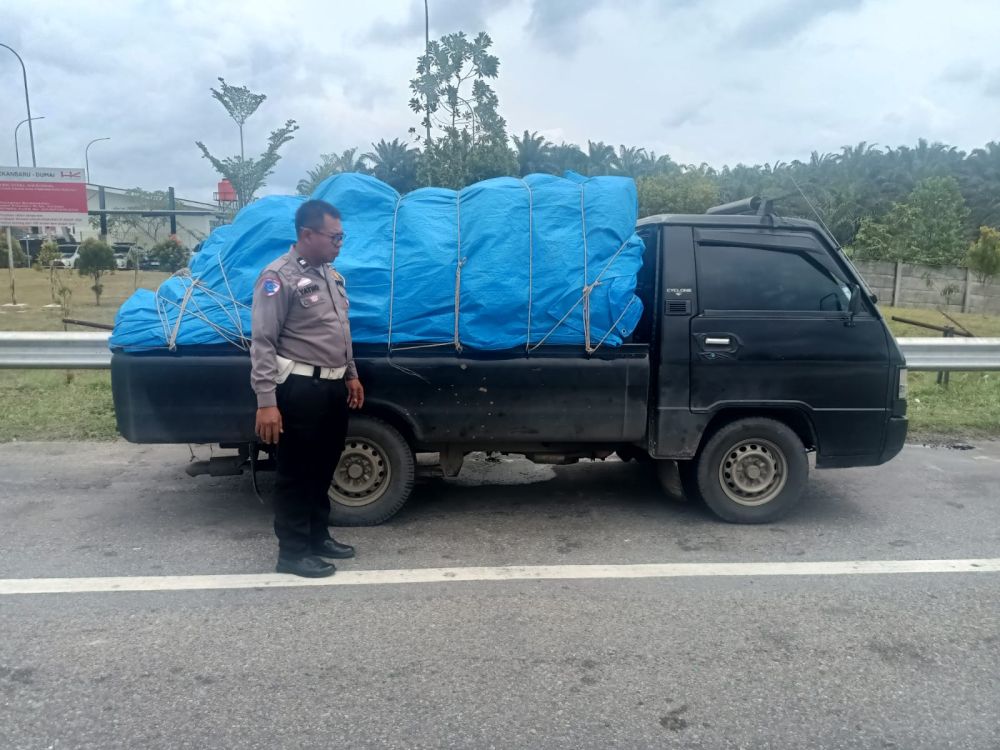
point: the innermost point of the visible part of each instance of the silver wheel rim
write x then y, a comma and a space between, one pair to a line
753, 472
363, 474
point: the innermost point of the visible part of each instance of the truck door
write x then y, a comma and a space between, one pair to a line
772, 330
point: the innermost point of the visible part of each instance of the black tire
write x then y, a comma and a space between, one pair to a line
752, 471
375, 474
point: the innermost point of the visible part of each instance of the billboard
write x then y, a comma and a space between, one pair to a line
43, 197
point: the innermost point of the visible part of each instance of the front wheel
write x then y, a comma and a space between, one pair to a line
752, 471
375, 474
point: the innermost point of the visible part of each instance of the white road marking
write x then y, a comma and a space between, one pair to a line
11, 586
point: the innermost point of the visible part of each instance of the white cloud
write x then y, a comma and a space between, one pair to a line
719, 81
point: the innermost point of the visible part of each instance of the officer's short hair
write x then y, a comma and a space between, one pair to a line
310, 215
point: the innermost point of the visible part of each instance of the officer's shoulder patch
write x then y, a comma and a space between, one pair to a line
271, 286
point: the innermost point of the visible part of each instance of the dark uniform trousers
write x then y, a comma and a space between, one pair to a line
314, 420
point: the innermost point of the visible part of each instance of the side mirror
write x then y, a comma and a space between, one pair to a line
853, 305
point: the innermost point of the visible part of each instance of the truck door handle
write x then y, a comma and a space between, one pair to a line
712, 341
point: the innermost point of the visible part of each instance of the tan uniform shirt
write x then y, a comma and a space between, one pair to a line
300, 313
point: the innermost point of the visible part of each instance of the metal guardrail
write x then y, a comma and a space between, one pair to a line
89, 351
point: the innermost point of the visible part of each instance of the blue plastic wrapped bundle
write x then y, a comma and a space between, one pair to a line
502, 264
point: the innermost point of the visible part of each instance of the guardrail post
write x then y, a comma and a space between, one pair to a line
944, 376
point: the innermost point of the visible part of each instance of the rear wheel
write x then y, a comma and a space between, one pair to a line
375, 475
752, 471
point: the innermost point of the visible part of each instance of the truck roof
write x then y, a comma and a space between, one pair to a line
741, 221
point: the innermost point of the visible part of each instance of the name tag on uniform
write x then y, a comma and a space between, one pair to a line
308, 289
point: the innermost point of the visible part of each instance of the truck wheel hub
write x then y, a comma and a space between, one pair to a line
753, 472
362, 476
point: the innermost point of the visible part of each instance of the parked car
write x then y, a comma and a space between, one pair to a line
69, 258
121, 261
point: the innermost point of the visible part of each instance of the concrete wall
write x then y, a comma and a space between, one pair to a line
905, 285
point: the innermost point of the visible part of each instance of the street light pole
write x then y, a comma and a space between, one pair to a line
17, 152
27, 101
86, 158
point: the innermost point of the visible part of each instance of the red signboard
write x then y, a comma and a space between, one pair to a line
42, 197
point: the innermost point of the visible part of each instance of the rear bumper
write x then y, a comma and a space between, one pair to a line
895, 438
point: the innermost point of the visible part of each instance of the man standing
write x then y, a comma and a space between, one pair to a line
302, 370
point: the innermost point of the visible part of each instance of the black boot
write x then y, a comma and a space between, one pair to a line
307, 567
333, 549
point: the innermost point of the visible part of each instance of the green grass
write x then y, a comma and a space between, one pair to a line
34, 292
968, 407
77, 405
56, 405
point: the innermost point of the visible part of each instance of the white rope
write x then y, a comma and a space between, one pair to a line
613, 326
531, 255
172, 343
458, 268
586, 272
392, 272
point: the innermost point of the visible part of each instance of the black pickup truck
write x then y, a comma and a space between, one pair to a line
759, 344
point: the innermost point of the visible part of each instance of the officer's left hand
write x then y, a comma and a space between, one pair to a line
355, 394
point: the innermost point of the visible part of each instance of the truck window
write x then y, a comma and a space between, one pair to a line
752, 278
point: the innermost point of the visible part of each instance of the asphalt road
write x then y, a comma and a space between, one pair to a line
744, 661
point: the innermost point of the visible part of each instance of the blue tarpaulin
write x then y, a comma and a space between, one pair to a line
504, 263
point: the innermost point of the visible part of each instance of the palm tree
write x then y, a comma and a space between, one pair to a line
331, 164
601, 158
568, 156
394, 163
534, 153
633, 161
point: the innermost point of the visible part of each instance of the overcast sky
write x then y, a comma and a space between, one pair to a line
717, 81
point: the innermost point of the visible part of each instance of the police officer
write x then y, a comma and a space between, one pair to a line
302, 370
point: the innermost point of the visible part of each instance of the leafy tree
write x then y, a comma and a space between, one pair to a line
247, 175
48, 254
20, 259
170, 253
96, 259
940, 213
451, 93
685, 193
240, 102
984, 255
331, 164
927, 229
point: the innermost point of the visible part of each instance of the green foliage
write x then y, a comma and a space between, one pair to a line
47, 255
247, 175
170, 253
452, 94
331, 164
684, 193
394, 163
20, 259
929, 228
96, 259
984, 255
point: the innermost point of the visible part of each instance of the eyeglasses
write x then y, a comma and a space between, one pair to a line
336, 239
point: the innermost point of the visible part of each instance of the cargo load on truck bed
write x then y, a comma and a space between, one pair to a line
502, 264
